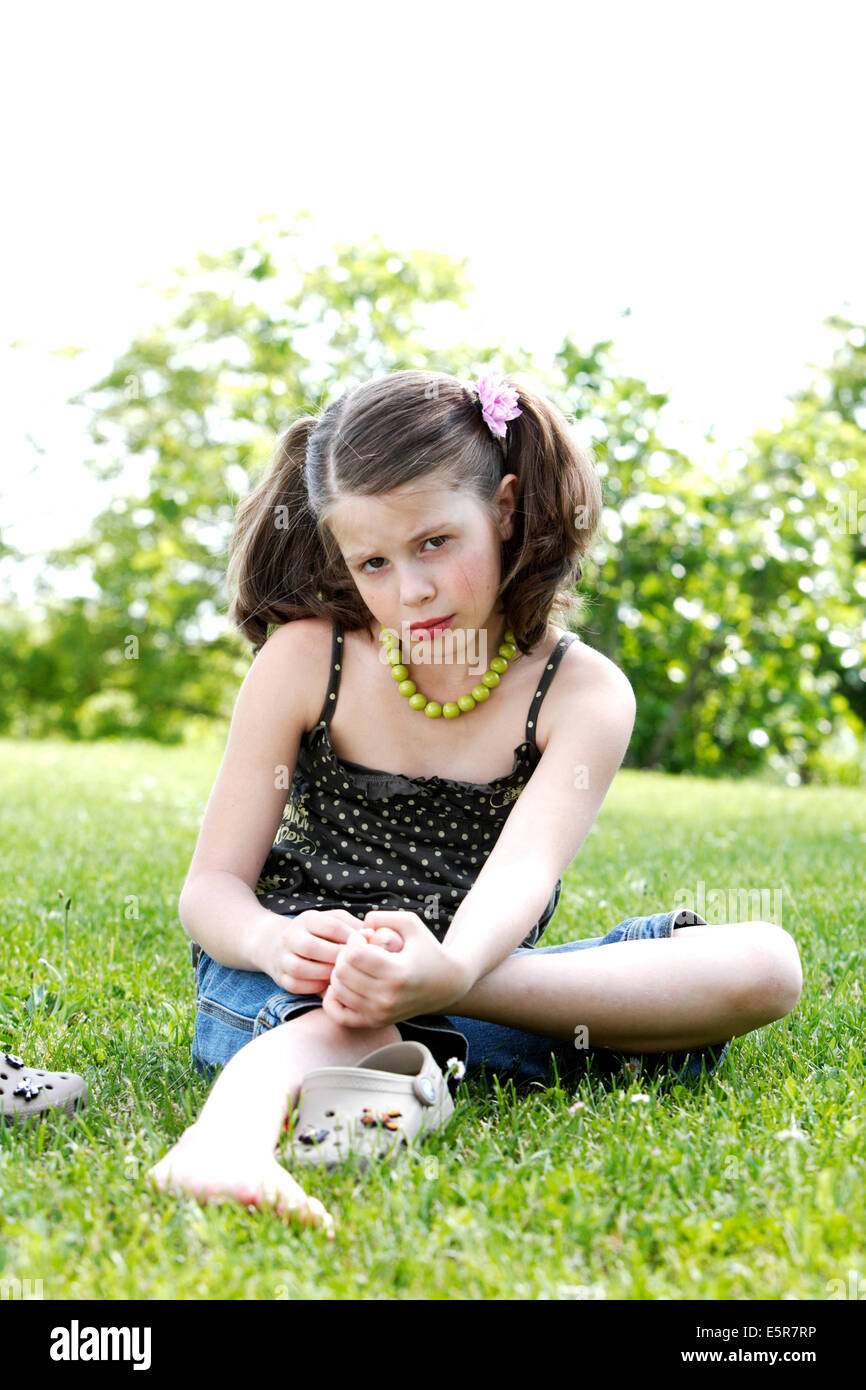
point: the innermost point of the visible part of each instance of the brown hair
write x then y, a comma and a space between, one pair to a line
286, 564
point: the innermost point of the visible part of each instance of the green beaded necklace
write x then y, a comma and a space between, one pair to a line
464, 703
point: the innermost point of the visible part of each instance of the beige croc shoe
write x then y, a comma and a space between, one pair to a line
372, 1109
27, 1094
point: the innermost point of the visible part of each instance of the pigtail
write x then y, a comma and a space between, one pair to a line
277, 558
558, 509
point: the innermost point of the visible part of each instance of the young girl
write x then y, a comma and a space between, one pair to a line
436, 800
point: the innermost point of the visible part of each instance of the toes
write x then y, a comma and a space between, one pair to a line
290, 1200
277, 1190
313, 1213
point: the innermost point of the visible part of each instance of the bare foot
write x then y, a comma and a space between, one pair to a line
200, 1166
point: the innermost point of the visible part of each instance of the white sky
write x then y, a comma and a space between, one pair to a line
700, 165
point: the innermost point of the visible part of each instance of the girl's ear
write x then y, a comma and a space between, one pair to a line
507, 500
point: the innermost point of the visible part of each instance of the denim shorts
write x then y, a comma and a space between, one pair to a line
235, 1006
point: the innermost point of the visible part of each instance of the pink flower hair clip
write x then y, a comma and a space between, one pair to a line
497, 404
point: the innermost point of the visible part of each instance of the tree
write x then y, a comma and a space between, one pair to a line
730, 601
256, 339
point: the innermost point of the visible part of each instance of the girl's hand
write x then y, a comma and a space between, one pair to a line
371, 987
299, 953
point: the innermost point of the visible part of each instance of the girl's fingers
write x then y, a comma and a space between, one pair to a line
350, 979
318, 948
346, 995
334, 925
352, 922
328, 932
306, 969
369, 960
340, 1013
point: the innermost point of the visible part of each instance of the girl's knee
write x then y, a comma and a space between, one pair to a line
776, 974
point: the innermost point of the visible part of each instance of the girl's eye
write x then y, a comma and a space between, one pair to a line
430, 539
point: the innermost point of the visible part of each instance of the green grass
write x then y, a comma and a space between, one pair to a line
689, 1194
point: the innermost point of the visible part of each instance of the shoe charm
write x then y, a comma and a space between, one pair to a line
28, 1088
15, 1062
388, 1118
312, 1136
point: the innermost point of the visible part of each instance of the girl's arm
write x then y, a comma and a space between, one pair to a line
218, 906
551, 818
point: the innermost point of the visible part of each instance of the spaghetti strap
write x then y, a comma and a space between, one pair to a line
549, 672
336, 668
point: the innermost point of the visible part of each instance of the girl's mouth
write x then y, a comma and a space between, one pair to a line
432, 628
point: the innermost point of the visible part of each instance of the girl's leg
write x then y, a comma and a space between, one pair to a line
703, 984
229, 1151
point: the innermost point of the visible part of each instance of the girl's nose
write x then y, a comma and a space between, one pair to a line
416, 590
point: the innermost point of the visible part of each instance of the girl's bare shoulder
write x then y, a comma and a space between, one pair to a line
582, 673
587, 665
300, 654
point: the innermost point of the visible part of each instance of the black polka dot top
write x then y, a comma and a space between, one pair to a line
361, 839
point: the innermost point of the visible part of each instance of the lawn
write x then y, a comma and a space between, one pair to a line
748, 1184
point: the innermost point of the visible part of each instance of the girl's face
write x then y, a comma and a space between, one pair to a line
424, 551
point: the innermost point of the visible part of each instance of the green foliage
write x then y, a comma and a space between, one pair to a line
734, 602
